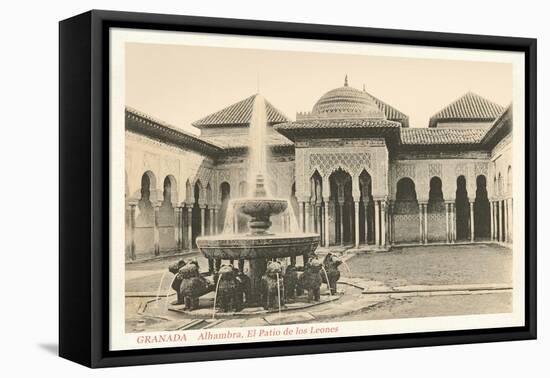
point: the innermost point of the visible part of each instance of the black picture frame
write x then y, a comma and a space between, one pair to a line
84, 183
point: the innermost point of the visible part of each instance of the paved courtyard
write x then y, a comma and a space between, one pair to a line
435, 265
404, 283
423, 265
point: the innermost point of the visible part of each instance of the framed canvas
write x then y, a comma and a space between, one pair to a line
236, 188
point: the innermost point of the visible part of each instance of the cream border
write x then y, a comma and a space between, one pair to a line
119, 340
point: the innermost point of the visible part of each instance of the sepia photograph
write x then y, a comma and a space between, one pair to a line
267, 189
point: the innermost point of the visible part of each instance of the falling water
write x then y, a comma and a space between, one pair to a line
328, 283
160, 287
168, 292
347, 266
257, 164
257, 148
229, 226
293, 226
216, 297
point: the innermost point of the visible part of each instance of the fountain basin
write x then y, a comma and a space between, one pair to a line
256, 207
251, 247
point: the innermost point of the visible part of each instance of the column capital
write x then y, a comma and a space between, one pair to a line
423, 202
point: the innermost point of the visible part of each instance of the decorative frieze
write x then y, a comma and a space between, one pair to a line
481, 169
352, 162
461, 169
405, 170
435, 170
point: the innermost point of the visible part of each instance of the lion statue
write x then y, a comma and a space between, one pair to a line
331, 263
193, 285
272, 286
311, 280
229, 291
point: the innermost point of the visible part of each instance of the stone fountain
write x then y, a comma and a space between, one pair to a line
259, 245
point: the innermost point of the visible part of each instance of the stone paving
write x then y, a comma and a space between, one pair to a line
406, 282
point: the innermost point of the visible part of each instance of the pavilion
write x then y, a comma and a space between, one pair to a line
353, 169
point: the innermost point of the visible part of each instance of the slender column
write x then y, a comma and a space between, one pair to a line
392, 228
504, 230
315, 218
321, 220
341, 203
356, 213
301, 215
421, 221
505, 206
215, 218
472, 225
499, 225
177, 226
495, 210
383, 223
425, 223
507, 215
376, 223
203, 220
182, 227
212, 215
325, 217
190, 228
308, 217
366, 203
133, 231
183, 214
235, 222
156, 230
453, 223
491, 208
447, 230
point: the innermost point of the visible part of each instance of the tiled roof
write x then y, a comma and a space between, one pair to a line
242, 141
239, 114
337, 123
470, 107
142, 123
427, 136
391, 113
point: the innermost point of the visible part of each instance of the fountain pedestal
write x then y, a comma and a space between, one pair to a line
258, 246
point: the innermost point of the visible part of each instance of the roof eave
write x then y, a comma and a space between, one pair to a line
141, 124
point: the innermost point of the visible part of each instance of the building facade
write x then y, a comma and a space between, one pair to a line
352, 168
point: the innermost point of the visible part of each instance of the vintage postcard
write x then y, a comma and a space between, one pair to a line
269, 189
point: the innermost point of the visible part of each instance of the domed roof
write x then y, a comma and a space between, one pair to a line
347, 102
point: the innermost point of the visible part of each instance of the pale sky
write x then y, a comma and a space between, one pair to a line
181, 84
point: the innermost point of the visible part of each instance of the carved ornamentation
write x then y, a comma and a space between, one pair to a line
204, 174
481, 169
352, 162
434, 170
461, 169
224, 175
405, 170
